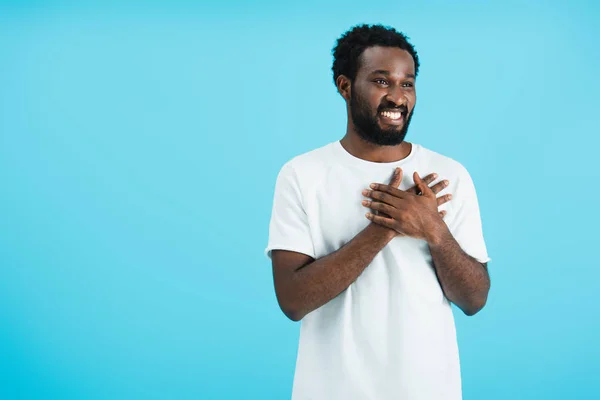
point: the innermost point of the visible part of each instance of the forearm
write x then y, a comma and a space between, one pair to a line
318, 282
464, 280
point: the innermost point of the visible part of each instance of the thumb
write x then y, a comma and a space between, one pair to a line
396, 178
423, 188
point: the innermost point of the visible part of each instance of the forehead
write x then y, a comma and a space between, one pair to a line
392, 59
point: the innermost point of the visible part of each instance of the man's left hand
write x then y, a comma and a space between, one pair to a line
410, 214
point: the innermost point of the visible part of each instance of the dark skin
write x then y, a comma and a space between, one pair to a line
303, 284
464, 280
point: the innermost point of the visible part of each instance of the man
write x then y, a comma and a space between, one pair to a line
363, 250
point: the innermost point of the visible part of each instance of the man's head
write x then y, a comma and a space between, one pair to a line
374, 69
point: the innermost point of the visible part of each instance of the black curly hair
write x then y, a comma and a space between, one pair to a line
350, 46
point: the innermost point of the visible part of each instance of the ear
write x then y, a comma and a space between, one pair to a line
344, 86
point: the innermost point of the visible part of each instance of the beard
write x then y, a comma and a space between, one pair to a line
367, 125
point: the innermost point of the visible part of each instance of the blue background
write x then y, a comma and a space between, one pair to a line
139, 146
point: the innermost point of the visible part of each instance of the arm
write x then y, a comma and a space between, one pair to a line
303, 284
464, 280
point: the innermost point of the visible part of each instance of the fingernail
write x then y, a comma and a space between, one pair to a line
372, 185
446, 183
435, 176
365, 192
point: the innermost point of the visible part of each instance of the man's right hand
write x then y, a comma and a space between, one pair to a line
438, 187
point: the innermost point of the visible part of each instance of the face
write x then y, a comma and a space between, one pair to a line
382, 96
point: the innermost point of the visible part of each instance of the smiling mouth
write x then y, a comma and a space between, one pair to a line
393, 117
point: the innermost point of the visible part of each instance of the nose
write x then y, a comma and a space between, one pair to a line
397, 96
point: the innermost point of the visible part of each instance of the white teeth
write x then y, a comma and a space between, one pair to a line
392, 115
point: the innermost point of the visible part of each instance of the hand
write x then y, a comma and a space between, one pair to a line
404, 211
438, 187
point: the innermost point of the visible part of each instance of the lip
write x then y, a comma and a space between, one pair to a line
390, 121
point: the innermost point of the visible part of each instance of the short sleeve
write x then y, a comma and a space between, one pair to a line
289, 228
466, 226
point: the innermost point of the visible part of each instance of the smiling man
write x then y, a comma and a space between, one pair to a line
373, 237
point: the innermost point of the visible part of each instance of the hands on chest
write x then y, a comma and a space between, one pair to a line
412, 212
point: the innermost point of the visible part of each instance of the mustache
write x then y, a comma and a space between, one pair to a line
393, 107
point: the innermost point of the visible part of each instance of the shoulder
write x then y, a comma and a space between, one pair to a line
442, 164
308, 166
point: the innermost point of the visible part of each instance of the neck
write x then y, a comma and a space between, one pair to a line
360, 148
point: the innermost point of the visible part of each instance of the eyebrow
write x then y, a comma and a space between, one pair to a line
387, 73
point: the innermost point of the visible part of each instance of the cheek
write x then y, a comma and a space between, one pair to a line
412, 100
369, 99
376, 101
370, 103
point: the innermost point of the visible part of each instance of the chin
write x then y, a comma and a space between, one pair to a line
390, 128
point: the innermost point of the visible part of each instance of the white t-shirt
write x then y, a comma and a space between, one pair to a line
390, 334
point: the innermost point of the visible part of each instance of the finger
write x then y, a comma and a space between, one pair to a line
428, 179
381, 208
381, 196
367, 203
443, 213
438, 187
423, 188
380, 187
444, 199
387, 222
376, 212
397, 178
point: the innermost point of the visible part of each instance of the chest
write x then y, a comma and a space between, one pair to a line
334, 205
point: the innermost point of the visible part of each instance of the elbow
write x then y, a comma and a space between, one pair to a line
469, 312
289, 304
477, 301
291, 311
475, 306
293, 315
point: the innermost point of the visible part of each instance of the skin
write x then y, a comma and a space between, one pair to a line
303, 284
385, 78
464, 280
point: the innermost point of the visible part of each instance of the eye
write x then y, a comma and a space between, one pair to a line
381, 81
408, 84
